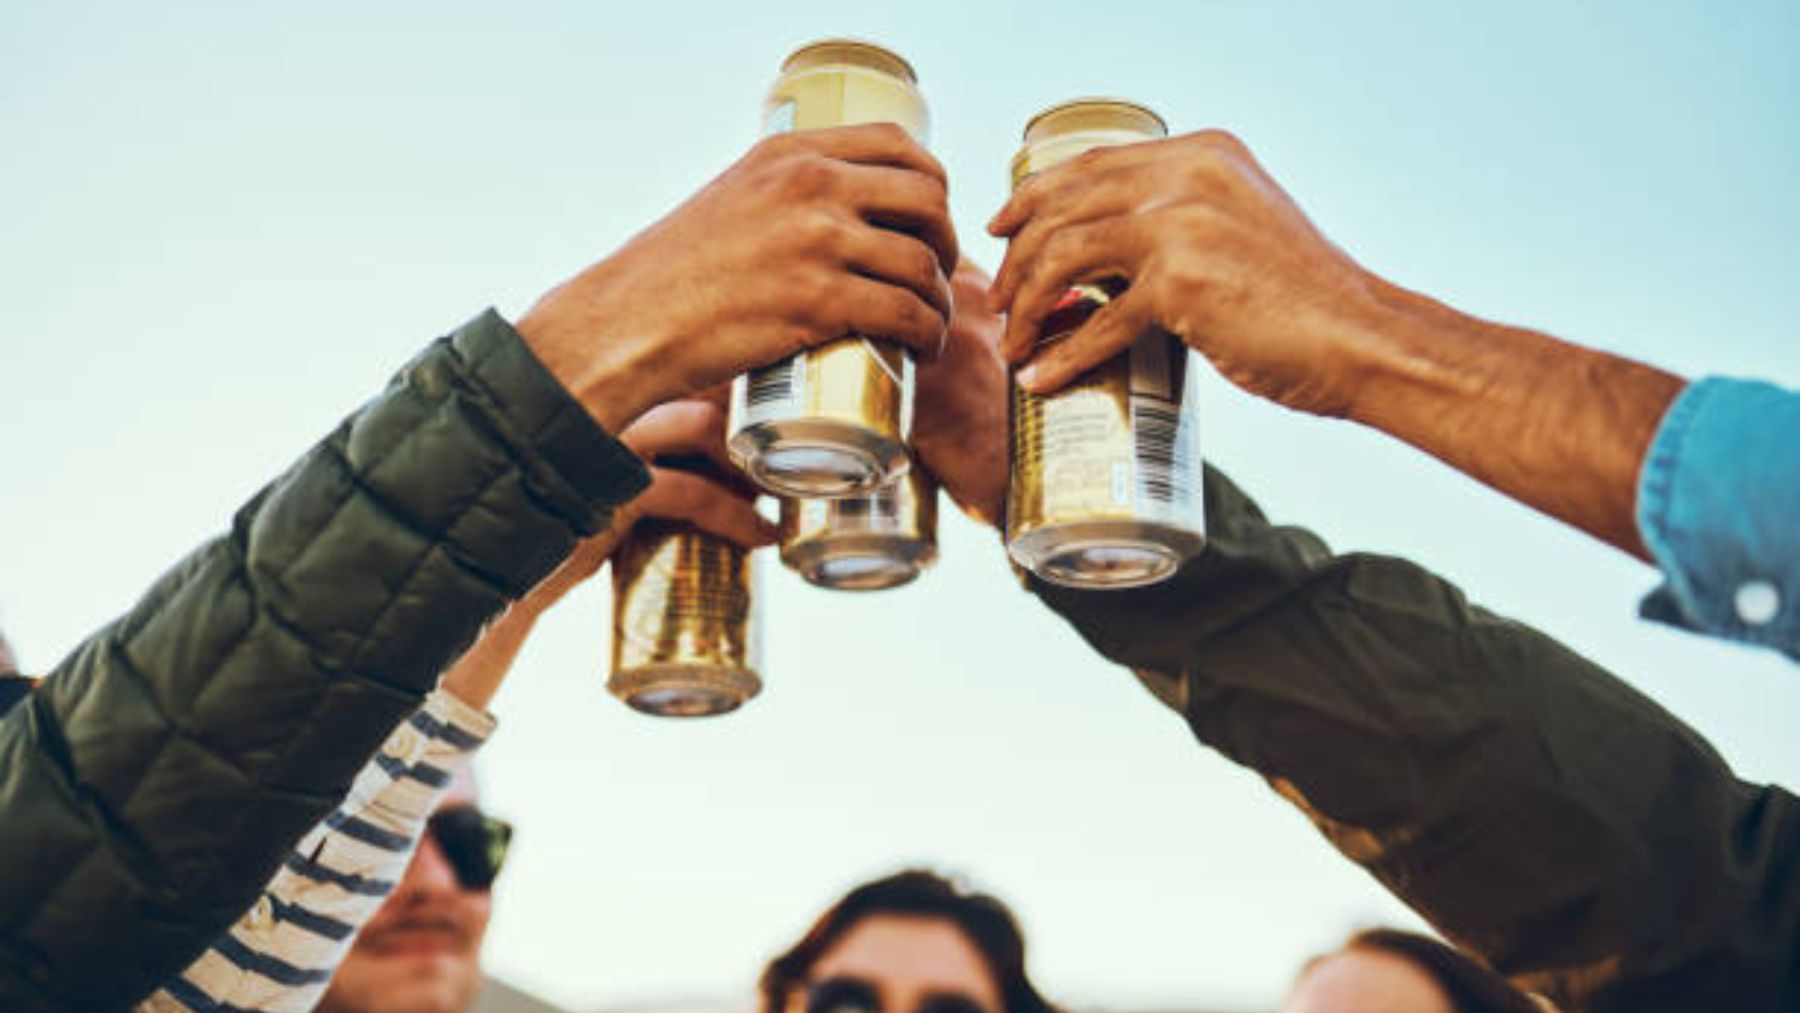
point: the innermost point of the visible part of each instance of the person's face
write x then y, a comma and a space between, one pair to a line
900, 964
1365, 981
421, 952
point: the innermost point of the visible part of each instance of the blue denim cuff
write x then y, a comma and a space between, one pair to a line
1719, 508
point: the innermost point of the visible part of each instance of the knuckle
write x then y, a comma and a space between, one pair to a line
807, 177
910, 318
1062, 247
775, 146
1091, 160
891, 133
1223, 141
818, 234
922, 267
934, 195
808, 296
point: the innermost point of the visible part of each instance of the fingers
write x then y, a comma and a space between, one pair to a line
1102, 249
1045, 193
708, 505
879, 310
1105, 334
869, 144
902, 261
1095, 178
904, 201
1105, 196
680, 428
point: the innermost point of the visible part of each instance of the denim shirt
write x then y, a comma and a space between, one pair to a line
1719, 508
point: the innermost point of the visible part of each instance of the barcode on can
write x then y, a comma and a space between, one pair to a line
1163, 467
772, 387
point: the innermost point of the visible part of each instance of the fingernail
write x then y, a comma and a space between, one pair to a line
1026, 377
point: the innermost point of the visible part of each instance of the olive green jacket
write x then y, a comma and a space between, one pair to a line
1530, 805
151, 784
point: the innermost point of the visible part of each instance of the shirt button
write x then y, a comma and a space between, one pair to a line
405, 743
1758, 602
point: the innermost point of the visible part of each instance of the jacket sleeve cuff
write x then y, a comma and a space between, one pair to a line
588, 464
1717, 498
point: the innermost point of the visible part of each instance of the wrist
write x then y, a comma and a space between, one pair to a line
1408, 352
591, 352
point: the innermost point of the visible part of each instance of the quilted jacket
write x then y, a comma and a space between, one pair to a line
153, 781
1529, 804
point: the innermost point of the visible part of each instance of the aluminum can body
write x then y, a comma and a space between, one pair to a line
685, 638
1104, 487
864, 543
831, 421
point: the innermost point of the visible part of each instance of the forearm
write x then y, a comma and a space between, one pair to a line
1527, 803
204, 732
306, 918
1561, 428
477, 675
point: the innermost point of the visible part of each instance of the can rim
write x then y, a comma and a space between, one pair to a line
878, 54
1094, 100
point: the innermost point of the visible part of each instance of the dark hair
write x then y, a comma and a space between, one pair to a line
1471, 985
987, 923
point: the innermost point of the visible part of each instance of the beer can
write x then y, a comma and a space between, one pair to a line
685, 637
1104, 489
863, 543
833, 420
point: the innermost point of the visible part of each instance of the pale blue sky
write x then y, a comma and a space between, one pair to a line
225, 224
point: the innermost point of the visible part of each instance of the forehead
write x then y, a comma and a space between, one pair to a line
908, 958
1365, 981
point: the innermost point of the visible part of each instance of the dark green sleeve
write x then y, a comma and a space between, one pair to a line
1530, 805
150, 785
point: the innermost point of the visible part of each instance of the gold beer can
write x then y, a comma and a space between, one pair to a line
863, 543
1104, 489
684, 622
831, 421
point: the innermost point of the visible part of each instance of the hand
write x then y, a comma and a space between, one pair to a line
960, 404
810, 237
720, 505
1212, 250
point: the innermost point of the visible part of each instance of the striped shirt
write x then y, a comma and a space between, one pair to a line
282, 953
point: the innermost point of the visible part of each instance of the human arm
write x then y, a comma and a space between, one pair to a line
1216, 252
1534, 808
157, 778
282, 954
690, 428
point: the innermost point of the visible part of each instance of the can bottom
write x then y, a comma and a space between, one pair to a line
684, 690
817, 458
860, 562
1105, 553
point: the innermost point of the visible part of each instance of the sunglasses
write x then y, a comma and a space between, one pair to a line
853, 995
473, 842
